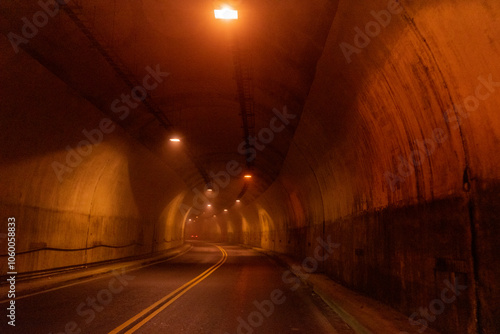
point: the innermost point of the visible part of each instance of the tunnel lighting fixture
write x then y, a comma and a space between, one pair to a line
247, 176
209, 205
190, 219
225, 210
175, 140
237, 201
209, 189
226, 13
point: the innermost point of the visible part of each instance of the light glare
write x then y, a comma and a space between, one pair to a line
226, 13
175, 140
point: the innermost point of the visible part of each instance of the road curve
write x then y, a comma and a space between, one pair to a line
211, 289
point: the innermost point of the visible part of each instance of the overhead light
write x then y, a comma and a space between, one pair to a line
209, 189
247, 176
190, 219
225, 210
215, 216
226, 13
209, 204
175, 140
237, 201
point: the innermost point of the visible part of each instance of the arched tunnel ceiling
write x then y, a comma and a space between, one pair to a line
275, 44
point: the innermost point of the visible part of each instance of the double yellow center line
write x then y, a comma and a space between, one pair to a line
147, 314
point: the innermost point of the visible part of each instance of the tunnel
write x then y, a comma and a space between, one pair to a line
352, 142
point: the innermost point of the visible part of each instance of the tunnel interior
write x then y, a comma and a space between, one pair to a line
370, 124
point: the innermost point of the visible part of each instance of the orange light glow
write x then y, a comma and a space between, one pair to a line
237, 201
248, 176
175, 140
209, 205
226, 13
225, 210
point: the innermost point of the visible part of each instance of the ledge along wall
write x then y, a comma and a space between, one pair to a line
395, 159
112, 200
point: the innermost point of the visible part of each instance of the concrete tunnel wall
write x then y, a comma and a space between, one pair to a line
118, 201
415, 92
403, 230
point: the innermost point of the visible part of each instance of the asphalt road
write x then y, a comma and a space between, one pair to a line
211, 289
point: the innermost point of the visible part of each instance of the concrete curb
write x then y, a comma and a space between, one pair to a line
346, 317
363, 314
57, 279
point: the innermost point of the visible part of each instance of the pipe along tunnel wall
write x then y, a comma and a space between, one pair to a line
394, 159
76, 201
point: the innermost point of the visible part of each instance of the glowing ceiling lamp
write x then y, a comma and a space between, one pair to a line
175, 140
226, 13
225, 210
247, 176
237, 201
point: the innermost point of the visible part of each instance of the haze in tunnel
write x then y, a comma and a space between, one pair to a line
373, 124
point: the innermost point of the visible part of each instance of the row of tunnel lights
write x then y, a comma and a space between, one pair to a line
210, 189
209, 205
225, 13
246, 176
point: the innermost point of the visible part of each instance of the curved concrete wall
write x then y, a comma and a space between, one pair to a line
112, 200
394, 159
